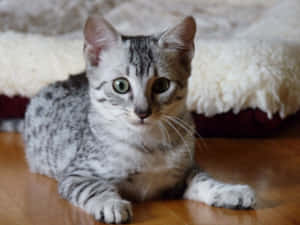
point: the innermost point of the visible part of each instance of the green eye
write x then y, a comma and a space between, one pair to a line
161, 85
121, 85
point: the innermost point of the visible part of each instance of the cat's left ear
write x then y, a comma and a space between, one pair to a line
99, 36
181, 37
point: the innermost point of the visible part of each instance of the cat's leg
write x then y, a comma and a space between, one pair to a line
201, 187
96, 196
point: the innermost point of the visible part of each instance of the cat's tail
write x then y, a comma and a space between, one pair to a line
12, 125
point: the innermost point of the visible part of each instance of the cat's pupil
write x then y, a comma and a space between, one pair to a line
161, 85
121, 86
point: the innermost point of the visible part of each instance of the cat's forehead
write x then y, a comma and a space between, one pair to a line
141, 53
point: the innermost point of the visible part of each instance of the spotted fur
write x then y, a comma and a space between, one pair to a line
93, 142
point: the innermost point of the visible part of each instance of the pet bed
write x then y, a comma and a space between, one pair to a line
246, 69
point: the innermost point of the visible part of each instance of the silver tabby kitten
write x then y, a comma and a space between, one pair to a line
121, 131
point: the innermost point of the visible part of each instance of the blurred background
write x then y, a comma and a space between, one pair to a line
215, 18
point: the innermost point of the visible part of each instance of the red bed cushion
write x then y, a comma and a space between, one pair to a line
12, 107
247, 123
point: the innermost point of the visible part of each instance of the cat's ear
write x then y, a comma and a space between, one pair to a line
180, 37
99, 35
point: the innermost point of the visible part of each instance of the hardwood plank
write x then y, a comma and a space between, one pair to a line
270, 165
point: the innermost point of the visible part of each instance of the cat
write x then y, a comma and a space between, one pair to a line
120, 131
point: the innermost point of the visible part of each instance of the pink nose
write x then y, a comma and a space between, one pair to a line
142, 114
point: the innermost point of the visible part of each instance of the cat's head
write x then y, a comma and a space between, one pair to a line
138, 80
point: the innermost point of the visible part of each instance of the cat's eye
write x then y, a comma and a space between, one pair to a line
121, 85
161, 85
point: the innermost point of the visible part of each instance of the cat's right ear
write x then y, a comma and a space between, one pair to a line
99, 36
181, 37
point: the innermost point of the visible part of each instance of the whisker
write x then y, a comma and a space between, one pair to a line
167, 133
181, 125
146, 190
182, 138
184, 127
162, 132
204, 146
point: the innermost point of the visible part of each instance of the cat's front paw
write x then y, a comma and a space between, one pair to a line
233, 197
113, 211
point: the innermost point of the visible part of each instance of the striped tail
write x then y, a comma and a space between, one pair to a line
12, 125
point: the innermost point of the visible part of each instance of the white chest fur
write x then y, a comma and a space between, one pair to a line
157, 171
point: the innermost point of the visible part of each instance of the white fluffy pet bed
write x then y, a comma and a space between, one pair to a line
32, 61
251, 65
244, 73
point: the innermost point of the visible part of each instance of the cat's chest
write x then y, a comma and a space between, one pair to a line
154, 175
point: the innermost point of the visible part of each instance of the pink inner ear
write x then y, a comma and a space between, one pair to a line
94, 56
96, 61
181, 36
99, 35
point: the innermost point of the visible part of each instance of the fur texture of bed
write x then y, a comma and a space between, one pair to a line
239, 74
258, 69
247, 52
31, 61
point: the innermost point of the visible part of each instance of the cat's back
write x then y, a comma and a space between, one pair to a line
54, 120
58, 97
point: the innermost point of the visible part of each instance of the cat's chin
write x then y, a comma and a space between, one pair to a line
143, 126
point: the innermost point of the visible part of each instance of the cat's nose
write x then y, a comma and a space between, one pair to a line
143, 113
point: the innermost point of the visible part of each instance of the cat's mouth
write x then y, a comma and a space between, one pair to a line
141, 122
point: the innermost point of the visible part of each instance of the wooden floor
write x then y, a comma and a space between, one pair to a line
270, 165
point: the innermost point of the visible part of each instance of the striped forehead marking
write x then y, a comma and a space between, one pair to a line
140, 53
